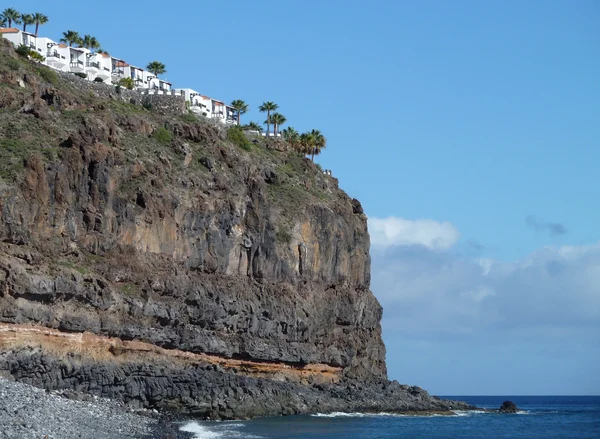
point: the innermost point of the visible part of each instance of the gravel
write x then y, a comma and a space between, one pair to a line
29, 412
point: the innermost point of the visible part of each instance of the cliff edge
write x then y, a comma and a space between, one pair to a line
151, 257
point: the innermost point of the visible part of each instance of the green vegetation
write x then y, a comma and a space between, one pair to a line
126, 83
13, 64
189, 117
268, 107
236, 135
90, 42
81, 75
27, 19
162, 135
129, 289
48, 75
253, 126
10, 16
157, 68
240, 107
39, 19
277, 120
75, 267
71, 38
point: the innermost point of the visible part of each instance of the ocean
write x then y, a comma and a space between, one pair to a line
541, 417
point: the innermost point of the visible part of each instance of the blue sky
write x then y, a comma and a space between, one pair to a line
469, 130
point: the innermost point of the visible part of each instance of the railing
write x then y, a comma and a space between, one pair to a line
52, 55
76, 64
92, 64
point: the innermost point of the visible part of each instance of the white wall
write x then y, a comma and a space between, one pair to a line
15, 38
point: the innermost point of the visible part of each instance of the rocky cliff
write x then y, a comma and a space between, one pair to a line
152, 257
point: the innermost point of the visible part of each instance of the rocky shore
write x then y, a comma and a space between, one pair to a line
29, 412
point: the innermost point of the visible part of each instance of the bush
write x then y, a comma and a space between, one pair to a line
36, 56
98, 80
13, 64
48, 75
81, 75
23, 50
126, 83
163, 135
189, 117
236, 136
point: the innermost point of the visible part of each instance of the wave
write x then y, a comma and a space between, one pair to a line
216, 431
395, 415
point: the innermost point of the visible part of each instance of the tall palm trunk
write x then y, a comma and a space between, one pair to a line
238, 118
313, 154
37, 26
268, 122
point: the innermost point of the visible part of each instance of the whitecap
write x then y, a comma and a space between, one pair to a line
200, 432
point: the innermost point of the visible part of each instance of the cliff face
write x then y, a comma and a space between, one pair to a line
159, 259
190, 243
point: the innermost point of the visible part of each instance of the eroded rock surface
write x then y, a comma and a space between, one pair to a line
185, 242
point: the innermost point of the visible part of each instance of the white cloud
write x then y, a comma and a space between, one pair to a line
393, 231
430, 291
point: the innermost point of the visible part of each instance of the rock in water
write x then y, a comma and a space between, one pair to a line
508, 407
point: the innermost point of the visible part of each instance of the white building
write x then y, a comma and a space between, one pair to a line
109, 69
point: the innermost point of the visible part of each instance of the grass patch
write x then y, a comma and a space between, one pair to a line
129, 289
236, 136
189, 117
72, 266
162, 135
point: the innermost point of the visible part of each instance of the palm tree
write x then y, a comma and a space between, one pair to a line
241, 107
268, 107
157, 68
27, 19
11, 16
320, 142
291, 136
277, 119
90, 42
306, 143
71, 38
39, 20
254, 127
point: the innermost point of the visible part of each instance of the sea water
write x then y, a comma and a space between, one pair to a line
541, 417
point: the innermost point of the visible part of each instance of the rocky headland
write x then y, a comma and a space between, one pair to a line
148, 257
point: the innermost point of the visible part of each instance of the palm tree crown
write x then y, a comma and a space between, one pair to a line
71, 38
291, 136
11, 16
27, 19
277, 120
90, 42
320, 142
241, 107
39, 20
268, 107
156, 67
254, 127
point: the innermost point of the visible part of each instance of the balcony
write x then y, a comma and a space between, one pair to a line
55, 60
77, 66
104, 73
92, 65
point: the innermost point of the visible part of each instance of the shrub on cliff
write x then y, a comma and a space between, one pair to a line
163, 135
236, 135
126, 83
48, 75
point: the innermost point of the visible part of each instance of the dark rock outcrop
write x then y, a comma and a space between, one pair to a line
508, 407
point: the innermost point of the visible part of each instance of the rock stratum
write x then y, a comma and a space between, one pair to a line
149, 257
